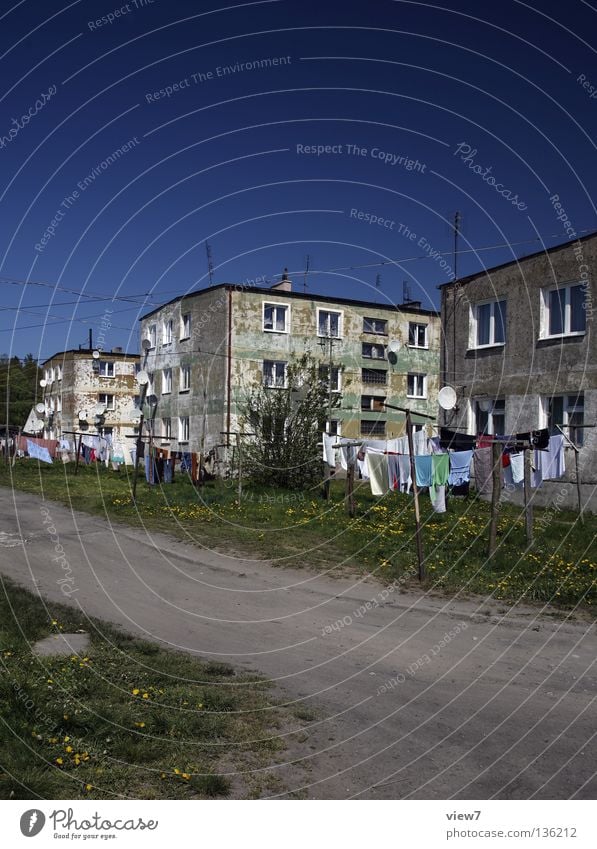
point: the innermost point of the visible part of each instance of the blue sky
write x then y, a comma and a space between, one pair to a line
425, 109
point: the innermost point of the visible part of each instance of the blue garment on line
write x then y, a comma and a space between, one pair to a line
460, 467
423, 469
167, 471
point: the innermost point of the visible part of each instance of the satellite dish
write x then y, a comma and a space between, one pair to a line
82, 415
36, 424
394, 346
485, 404
152, 400
447, 398
146, 344
96, 355
392, 358
99, 409
142, 378
43, 382
40, 408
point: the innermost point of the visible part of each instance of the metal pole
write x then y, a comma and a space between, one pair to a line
582, 518
78, 452
528, 505
413, 475
139, 442
496, 475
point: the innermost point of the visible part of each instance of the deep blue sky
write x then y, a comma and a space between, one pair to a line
218, 160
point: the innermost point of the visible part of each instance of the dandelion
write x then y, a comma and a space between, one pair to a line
88, 787
136, 691
59, 761
68, 749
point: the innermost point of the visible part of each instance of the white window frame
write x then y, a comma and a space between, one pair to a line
417, 375
167, 428
340, 314
491, 429
104, 366
50, 377
150, 383
108, 404
185, 326
274, 384
567, 410
375, 332
58, 373
373, 345
167, 331
276, 305
152, 335
474, 324
323, 376
166, 381
184, 429
329, 429
545, 312
417, 325
380, 399
58, 403
184, 371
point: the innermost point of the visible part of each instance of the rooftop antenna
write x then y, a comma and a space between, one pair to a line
406, 298
378, 281
307, 267
210, 263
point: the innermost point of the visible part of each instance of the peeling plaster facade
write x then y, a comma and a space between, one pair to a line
76, 381
208, 350
533, 363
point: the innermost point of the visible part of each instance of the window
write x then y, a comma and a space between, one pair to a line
59, 403
488, 324
185, 326
106, 400
334, 427
375, 325
324, 372
563, 311
185, 378
183, 429
568, 411
373, 375
375, 427
166, 381
167, 429
490, 416
274, 373
373, 351
150, 383
417, 335
58, 373
416, 385
106, 368
168, 327
329, 323
275, 318
373, 403
50, 375
152, 333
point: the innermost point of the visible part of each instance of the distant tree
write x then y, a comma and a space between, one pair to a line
18, 388
287, 423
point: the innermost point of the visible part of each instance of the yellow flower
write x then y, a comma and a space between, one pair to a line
186, 776
59, 761
68, 749
136, 691
88, 787
145, 695
140, 724
66, 739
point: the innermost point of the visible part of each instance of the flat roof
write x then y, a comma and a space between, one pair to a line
559, 247
304, 296
87, 352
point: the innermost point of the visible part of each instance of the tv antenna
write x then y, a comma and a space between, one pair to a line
406, 298
307, 268
210, 263
378, 281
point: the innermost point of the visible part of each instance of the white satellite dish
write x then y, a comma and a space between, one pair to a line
99, 409
485, 404
447, 398
40, 408
43, 382
95, 355
82, 415
36, 424
146, 344
394, 346
142, 378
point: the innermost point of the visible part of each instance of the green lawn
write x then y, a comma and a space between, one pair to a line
128, 720
300, 529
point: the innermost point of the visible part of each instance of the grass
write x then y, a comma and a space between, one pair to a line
300, 529
128, 720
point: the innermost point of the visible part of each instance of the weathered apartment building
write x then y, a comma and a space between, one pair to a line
206, 351
78, 384
519, 347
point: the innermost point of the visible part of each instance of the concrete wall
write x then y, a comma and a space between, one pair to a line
528, 368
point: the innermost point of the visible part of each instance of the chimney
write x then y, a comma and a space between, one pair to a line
285, 284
